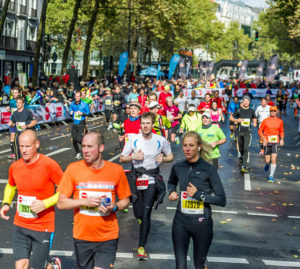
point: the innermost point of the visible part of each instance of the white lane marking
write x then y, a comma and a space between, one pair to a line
115, 157
263, 214
281, 263
164, 257
227, 260
224, 212
124, 255
3, 181
95, 127
294, 217
171, 208
4, 151
247, 182
6, 251
61, 253
57, 151
61, 136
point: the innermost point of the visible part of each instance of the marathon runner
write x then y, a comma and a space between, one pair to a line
34, 178
212, 135
206, 104
262, 112
191, 120
193, 100
21, 119
181, 102
233, 106
244, 116
216, 114
90, 182
79, 110
12, 107
200, 186
146, 151
272, 133
108, 101
118, 103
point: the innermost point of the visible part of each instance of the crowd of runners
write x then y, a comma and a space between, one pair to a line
152, 119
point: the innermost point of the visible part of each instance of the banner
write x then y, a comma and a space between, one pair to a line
260, 70
243, 70
173, 64
271, 71
259, 92
122, 63
188, 67
182, 68
158, 70
209, 70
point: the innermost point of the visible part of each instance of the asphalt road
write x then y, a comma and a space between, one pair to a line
259, 227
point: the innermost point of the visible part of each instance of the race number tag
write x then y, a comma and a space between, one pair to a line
23, 206
142, 182
190, 205
273, 139
108, 102
117, 103
19, 126
245, 123
93, 211
77, 116
127, 136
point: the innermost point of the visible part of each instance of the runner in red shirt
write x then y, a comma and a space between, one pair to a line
163, 95
142, 98
218, 99
269, 101
206, 104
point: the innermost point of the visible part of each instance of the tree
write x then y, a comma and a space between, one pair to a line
69, 36
3, 15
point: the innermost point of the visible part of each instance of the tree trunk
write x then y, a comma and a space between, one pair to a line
135, 52
89, 38
69, 37
3, 15
39, 43
100, 60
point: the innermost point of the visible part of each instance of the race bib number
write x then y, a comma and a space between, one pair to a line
116, 103
273, 139
108, 102
190, 205
142, 182
23, 206
245, 123
127, 136
77, 116
93, 211
19, 126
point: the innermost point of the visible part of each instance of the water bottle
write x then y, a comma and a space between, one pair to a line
106, 201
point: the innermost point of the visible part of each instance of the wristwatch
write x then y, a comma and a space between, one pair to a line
116, 208
202, 196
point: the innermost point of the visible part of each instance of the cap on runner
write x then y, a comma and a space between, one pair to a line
191, 107
273, 108
246, 97
206, 114
135, 104
153, 104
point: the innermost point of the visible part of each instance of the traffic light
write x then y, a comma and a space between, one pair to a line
256, 36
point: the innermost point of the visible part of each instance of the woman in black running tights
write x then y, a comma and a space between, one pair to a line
197, 180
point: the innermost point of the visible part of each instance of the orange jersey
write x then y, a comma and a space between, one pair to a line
271, 129
82, 181
35, 181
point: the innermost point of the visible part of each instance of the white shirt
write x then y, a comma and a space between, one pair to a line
181, 102
151, 148
262, 113
195, 102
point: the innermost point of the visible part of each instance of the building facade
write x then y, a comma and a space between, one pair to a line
18, 39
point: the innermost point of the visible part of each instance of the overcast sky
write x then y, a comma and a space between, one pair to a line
255, 3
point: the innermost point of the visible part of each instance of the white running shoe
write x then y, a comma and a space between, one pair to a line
78, 156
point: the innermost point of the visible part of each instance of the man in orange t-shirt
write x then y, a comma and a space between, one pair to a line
271, 132
90, 182
34, 177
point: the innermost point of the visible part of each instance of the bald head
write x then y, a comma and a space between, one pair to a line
28, 135
92, 148
29, 144
96, 137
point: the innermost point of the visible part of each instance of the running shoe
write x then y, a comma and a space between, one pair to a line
125, 210
140, 221
231, 135
267, 166
55, 262
235, 138
262, 152
239, 155
270, 179
78, 156
244, 169
12, 156
141, 254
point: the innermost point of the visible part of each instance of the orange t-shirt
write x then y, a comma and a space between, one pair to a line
82, 181
271, 129
35, 181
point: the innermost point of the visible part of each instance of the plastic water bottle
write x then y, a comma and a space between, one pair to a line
106, 201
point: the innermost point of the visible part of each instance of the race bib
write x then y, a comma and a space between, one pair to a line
190, 205
116, 103
19, 126
77, 117
127, 136
245, 123
93, 211
142, 182
23, 206
273, 139
108, 102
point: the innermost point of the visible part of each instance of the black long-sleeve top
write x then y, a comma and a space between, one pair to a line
204, 177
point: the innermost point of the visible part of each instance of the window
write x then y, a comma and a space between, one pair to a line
33, 4
31, 33
9, 28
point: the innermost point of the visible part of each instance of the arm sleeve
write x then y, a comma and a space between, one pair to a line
51, 201
219, 198
9, 194
182, 125
173, 180
166, 148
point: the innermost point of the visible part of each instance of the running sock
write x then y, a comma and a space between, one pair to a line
12, 148
272, 170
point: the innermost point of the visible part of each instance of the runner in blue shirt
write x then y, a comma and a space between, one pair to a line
233, 106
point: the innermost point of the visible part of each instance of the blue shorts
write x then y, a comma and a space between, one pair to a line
13, 129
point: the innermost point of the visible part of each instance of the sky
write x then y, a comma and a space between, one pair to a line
255, 3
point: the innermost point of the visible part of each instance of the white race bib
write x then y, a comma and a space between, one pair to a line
23, 206
92, 211
77, 116
273, 139
142, 182
19, 126
190, 205
245, 123
108, 102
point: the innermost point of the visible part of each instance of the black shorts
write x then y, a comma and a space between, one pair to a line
26, 241
95, 254
173, 130
271, 148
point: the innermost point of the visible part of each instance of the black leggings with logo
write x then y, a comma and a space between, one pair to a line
200, 229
